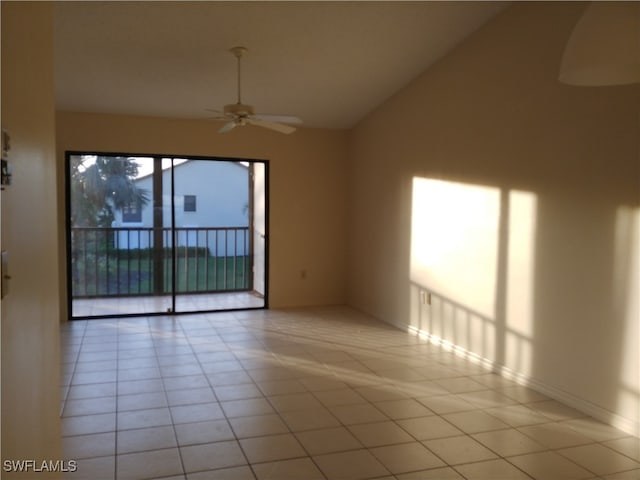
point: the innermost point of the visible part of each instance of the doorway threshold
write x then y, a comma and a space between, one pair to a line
118, 306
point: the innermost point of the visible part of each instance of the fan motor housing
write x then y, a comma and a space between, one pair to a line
238, 109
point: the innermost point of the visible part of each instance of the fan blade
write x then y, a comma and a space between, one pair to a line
219, 115
279, 119
227, 127
278, 127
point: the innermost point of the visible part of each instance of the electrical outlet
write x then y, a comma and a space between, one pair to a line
425, 297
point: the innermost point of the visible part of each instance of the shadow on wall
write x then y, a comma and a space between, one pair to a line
520, 282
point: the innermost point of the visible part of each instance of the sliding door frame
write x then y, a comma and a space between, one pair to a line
174, 293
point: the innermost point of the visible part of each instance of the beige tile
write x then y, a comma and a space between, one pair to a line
460, 384
424, 388
104, 422
380, 393
212, 456
232, 473
427, 428
140, 440
272, 447
92, 390
549, 465
296, 469
220, 366
629, 446
401, 374
629, 475
322, 383
181, 370
522, 394
508, 442
475, 421
442, 404
89, 406
599, 459
300, 420
555, 435
237, 392
594, 429
153, 464
406, 457
361, 413
403, 408
444, 473
185, 383
345, 396
487, 399
153, 417
271, 373
517, 415
142, 401
352, 465
328, 440
190, 396
246, 407
222, 379
380, 433
99, 468
294, 401
281, 387
132, 374
196, 413
203, 432
87, 446
493, 380
140, 386
492, 470
255, 426
457, 450
555, 410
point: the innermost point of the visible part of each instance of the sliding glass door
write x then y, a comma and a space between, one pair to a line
150, 235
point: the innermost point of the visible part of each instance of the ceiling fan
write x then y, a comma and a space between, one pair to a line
240, 114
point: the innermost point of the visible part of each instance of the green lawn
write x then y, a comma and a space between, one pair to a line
107, 274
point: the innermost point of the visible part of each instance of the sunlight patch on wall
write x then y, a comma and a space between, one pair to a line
520, 278
626, 285
454, 241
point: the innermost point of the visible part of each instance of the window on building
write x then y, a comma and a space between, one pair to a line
132, 213
189, 203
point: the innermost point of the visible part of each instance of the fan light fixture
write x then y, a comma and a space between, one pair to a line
239, 114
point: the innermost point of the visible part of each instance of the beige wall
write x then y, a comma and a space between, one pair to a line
307, 189
30, 328
529, 190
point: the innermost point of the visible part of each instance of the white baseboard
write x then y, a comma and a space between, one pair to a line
627, 425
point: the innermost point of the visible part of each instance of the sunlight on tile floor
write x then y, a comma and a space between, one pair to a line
317, 393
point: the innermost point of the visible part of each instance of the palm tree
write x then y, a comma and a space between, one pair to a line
101, 186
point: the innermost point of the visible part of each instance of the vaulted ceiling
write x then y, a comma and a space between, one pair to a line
329, 63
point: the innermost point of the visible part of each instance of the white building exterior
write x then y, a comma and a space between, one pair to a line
208, 195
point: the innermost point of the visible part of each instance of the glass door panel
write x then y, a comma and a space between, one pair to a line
212, 234
114, 266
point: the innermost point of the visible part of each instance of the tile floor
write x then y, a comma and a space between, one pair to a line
319, 393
